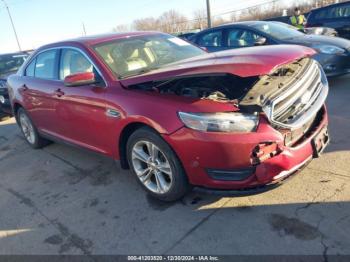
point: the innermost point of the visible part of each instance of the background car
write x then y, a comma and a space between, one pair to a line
335, 16
327, 31
333, 53
186, 36
175, 114
310, 30
9, 64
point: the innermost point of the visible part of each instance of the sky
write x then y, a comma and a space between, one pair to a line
39, 22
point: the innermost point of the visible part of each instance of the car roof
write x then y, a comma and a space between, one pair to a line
244, 23
102, 38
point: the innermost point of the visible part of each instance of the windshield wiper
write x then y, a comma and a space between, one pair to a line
140, 72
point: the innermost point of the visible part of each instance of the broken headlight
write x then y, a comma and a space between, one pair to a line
220, 122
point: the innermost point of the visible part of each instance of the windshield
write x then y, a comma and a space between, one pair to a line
277, 30
11, 63
138, 55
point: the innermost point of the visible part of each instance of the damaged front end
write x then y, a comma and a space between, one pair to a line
270, 126
290, 97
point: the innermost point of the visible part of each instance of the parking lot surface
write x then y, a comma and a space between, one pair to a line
62, 200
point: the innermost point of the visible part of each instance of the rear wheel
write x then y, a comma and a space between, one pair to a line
29, 131
156, 166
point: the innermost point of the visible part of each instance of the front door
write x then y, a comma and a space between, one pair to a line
81, 110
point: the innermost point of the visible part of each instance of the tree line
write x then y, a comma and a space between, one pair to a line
173, 21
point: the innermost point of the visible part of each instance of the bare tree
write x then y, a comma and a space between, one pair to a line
200, 19
146, 24
121, 28
219, 21
173, 22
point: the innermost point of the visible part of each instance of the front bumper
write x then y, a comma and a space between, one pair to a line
203, 151
334, 65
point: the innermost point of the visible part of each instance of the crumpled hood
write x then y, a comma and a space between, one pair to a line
244, 62
311, 40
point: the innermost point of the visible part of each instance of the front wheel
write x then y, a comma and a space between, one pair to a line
29, 131
156, 166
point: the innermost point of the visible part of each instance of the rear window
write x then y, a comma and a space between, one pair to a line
30, 71
45, 65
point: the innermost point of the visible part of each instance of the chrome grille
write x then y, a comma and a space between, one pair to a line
300, 102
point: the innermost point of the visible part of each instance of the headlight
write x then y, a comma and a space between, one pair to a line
318, 31
220, 122
329, 49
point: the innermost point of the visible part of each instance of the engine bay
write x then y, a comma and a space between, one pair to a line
218, 87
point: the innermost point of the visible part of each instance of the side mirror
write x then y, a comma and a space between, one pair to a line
260, 41
80, 79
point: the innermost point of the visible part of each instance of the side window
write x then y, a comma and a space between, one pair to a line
241, 38
72, 62
212, 39
343, 11
30, 70
334, 12
45, 66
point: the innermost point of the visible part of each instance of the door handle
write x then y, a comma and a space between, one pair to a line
59, 93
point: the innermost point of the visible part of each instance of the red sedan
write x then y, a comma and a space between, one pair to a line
176, 115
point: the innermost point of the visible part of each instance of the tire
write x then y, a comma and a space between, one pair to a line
163, 177
29, 130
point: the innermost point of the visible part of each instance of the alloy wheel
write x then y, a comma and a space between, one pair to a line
152, 167
27, 128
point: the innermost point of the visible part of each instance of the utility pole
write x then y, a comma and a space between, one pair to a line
84, 30
13, 26
208, 14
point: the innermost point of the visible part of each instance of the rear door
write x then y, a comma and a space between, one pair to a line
81, 110
38, 87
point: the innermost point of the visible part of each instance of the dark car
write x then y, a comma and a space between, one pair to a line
9, 64
320, 31
335, 16
175, 114
333, 53
186, 36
